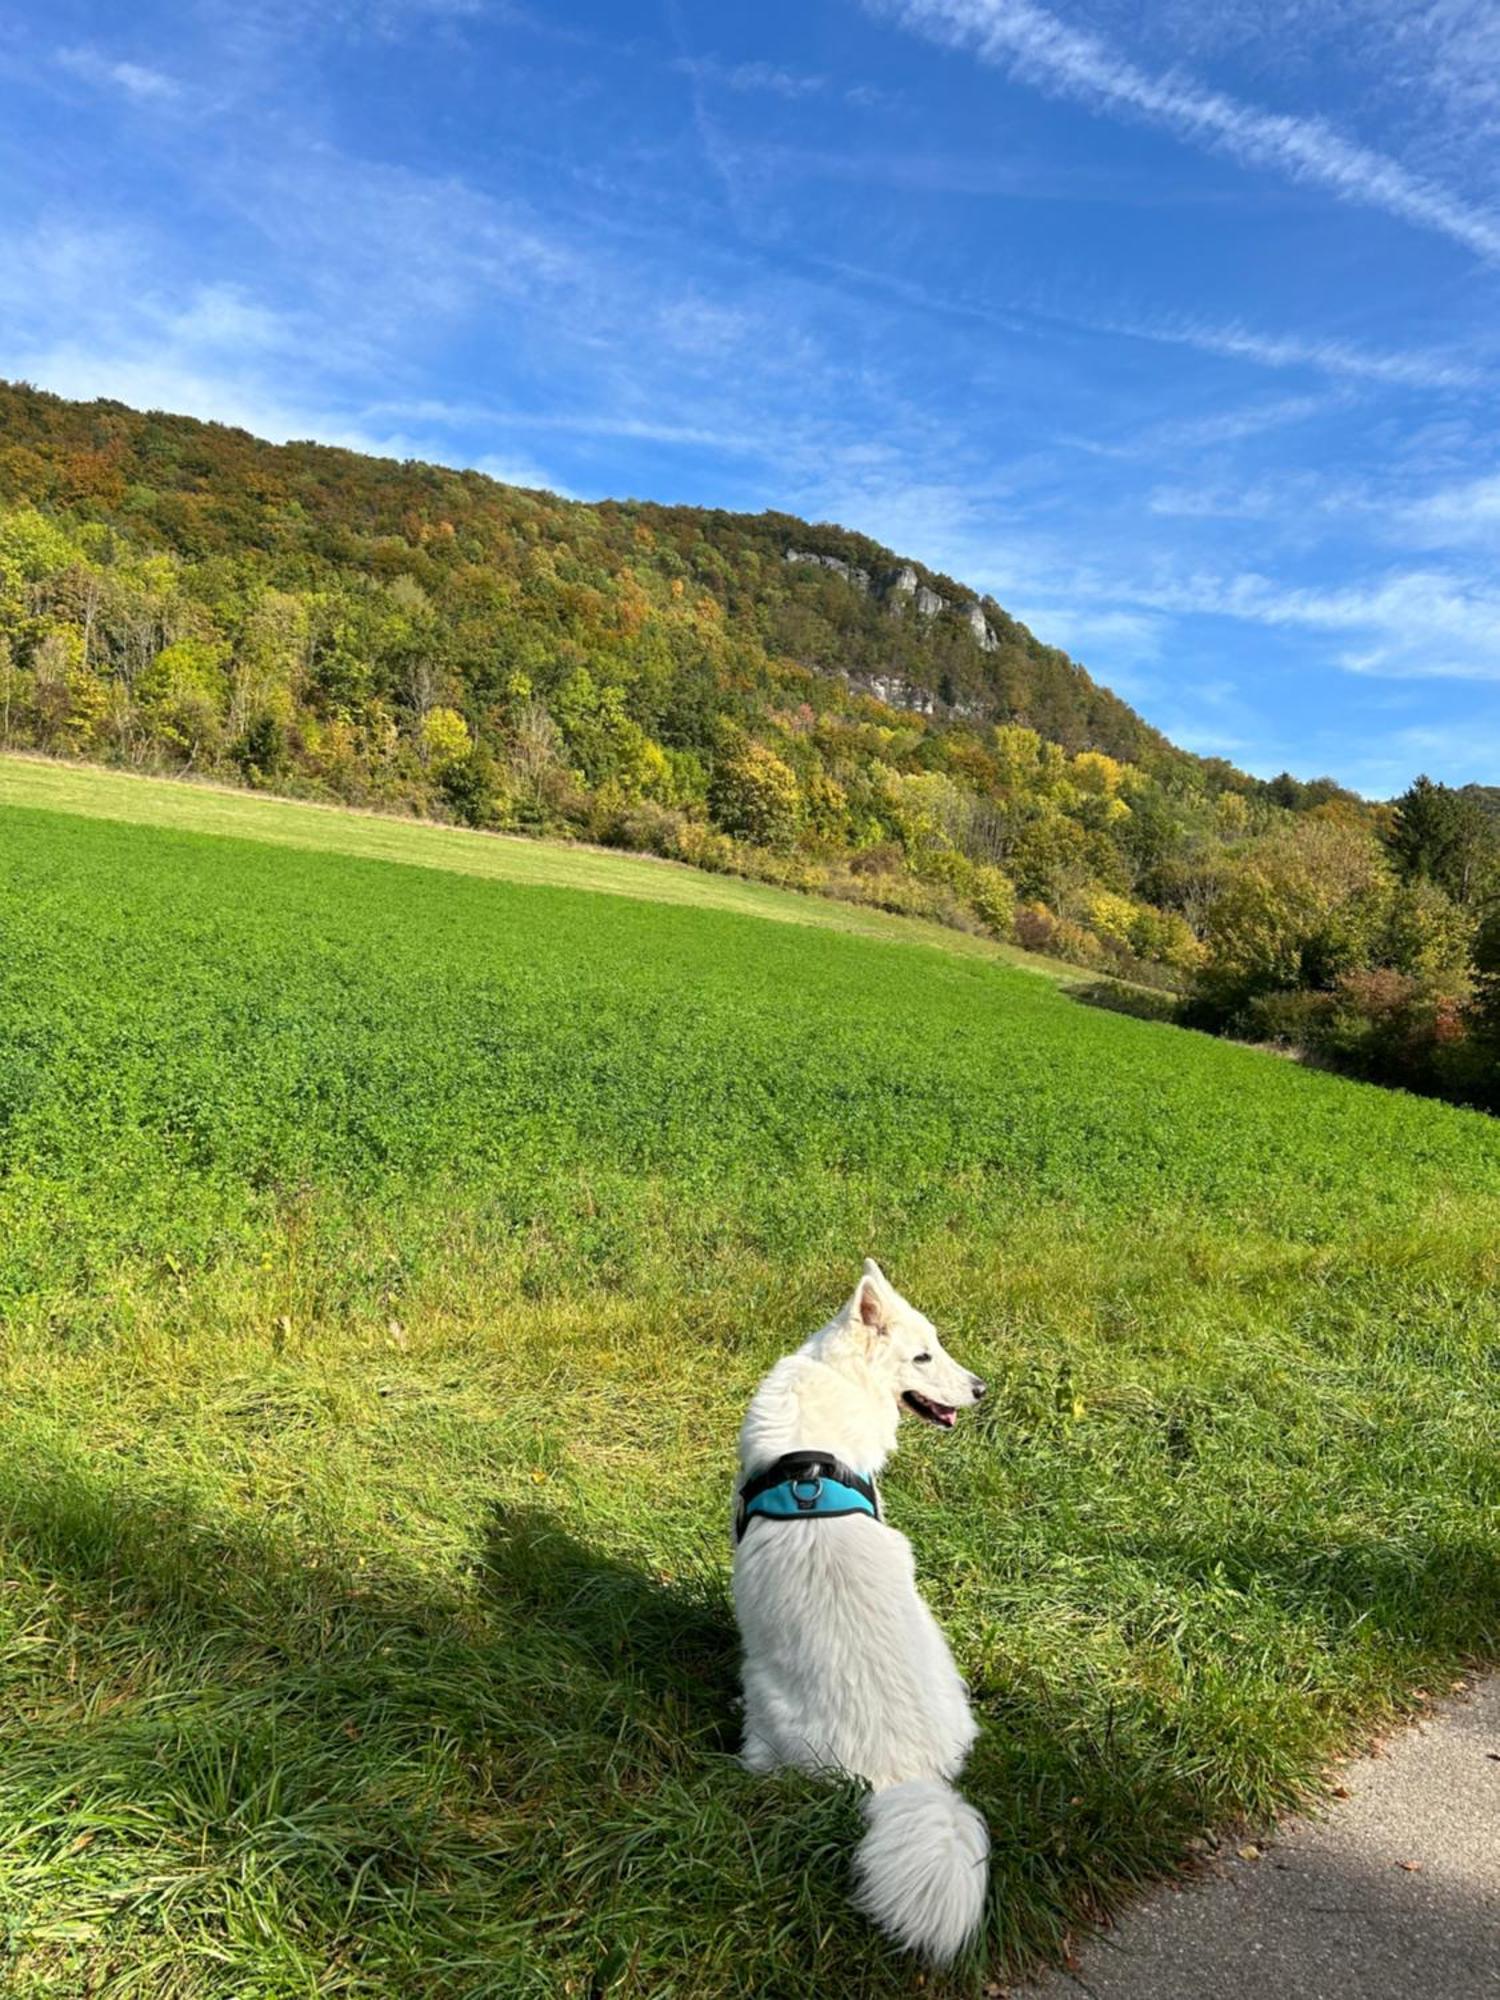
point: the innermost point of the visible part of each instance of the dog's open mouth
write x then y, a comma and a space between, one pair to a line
936, 1413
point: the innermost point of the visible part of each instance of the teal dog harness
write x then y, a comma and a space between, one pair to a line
804, 1486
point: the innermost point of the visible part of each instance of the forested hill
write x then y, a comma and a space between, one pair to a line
522, 580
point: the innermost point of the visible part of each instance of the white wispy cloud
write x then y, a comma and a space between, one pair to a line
399, 246
1220, 427
1414, 624
596, 423
776, 80
1339, 359
1461, 751
1403, 369
1468, 511
770, 78
1298, 499
187, 384
1043, 50
586, 423
224, 317
1460, 516
1216, 428
1127, 638
514, 469
1227, 501
104, 72
1436, 54
1448, 49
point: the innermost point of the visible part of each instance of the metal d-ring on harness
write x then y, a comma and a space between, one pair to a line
804, 1486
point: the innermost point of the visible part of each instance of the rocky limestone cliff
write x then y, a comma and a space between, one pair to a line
901, 584
979, 625
860, 578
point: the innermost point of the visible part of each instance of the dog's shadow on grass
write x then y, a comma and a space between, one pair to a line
403, 1760
671, 1636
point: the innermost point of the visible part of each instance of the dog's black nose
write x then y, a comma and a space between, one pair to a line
981, 1389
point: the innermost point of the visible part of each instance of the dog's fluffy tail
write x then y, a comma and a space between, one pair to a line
920, 1870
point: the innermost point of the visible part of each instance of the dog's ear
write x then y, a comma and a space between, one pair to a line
871, 1298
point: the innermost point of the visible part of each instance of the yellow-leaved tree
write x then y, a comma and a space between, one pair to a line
444, 737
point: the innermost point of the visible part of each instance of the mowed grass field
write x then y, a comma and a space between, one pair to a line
209, 808
386, 1255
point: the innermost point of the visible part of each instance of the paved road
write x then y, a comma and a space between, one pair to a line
1393, 1895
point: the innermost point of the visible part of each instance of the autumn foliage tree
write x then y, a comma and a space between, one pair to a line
755, 795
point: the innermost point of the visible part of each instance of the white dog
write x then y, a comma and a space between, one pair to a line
844, 1666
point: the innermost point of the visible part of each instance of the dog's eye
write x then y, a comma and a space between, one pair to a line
921, 1360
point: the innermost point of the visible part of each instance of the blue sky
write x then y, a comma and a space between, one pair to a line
1171, 323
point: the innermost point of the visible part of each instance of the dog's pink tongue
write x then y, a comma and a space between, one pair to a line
948, 1418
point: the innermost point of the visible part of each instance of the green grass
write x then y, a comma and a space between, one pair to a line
386, 1254
197, 807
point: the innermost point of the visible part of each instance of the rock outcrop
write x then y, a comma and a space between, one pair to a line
860, 578
906, 583
900, 584
896, 692
979, 625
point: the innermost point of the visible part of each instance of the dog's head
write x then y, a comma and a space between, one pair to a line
902, 1349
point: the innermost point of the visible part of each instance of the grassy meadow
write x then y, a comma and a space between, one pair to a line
197, 807
389, 1241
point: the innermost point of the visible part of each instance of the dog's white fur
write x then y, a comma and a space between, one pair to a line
844, 1666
